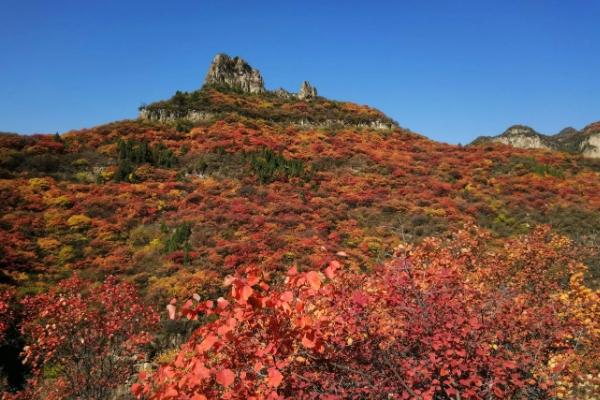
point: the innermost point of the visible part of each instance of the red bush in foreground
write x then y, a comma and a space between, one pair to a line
442, 320
84, 340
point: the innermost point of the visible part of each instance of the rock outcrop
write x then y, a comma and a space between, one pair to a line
589, 145
235, 73
284, 94
585, 142
523, 137
165, 115
307, 91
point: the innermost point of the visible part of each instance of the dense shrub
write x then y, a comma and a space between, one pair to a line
84, 340
440, 321
132, 153
270, 166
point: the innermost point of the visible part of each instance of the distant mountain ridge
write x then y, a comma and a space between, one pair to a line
585, 142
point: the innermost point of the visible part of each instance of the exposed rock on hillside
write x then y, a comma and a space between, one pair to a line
284, 94
585, 142
307, 91
235, 73
589, 145
523, 137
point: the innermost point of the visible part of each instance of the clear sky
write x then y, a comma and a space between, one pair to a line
451, 70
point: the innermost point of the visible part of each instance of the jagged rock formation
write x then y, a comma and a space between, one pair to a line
307, 91
585, 142
235, 73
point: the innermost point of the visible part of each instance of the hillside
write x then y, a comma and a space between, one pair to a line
585, 142
233, 180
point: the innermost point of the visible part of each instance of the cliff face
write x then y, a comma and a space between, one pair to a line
590, 146
590, 143
235, 73
585, 142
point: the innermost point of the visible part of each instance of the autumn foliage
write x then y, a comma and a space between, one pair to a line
86, 339
6, 312
449, 319
350, 273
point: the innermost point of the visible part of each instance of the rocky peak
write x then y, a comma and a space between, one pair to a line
307, 91
235, 73
520, 130
520, 136
585, 142
567, 137
568, 131
523, 137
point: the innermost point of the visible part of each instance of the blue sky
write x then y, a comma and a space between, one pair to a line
451, 70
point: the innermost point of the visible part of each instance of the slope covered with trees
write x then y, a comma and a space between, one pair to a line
359, 263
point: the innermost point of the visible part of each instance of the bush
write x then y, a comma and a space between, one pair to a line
42, 162
84, 340
443, 320
183, 125
132, 153
270, 166
179, 240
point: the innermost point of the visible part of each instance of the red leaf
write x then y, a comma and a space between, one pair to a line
308, 343
225, 377
206, 344
246, 292
274, 377
314, 279
171, 392
222, 303
201, 371
287, 296
510, 364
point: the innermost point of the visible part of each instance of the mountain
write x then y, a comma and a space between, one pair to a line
240, 242
230, 88
585, 142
